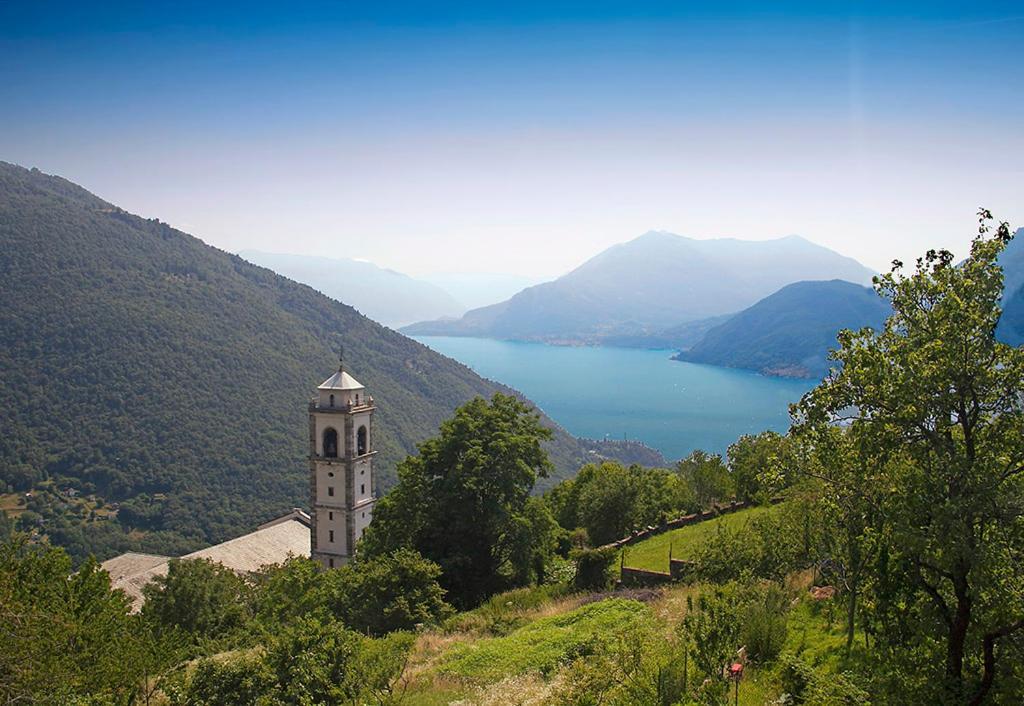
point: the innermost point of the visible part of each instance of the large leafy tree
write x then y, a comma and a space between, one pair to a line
933, 404
461, 501
68, 637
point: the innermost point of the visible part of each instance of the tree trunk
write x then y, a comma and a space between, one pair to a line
851, 614
956, 643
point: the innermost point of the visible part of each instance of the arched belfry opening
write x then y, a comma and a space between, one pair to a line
330, 443
361, 441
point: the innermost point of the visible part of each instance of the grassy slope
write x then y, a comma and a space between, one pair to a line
653, 553
469, 664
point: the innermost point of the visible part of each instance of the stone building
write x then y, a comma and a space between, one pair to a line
341, 481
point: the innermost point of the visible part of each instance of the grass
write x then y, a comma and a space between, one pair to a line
652, 553
545, 644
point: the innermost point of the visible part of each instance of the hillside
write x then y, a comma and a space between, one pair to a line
1011, 323
790, 332
386, 296
142, 365
649, 284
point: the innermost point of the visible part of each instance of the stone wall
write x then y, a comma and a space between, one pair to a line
679, 569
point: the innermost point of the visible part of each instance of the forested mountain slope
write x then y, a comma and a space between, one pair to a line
790, 332
149, 367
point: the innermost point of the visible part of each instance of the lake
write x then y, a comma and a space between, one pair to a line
631, 393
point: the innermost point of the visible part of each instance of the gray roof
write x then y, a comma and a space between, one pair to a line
273, 543
340, 381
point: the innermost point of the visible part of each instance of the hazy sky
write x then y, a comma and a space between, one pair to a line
523, 140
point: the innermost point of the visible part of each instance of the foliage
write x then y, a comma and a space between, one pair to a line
462, 501
769, 547
710, 632
932, 404
242, 681
609, 500
387, 593
203, 599
594, 568
192, 370
709, 477
67, 637
311, 662
762, 465
764, 621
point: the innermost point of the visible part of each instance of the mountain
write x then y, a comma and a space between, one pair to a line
790, 332
476, 289
385, 296
1011, 323
649, 284
145, 367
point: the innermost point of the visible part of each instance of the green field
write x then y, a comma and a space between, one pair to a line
652, 553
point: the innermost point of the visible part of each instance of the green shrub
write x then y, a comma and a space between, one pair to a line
234, 682
764, 620
594, 569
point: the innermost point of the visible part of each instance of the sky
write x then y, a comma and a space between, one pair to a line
525, 138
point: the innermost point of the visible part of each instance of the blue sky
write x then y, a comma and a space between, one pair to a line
524, 138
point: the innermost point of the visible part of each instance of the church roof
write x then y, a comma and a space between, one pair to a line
272, 543
341, 381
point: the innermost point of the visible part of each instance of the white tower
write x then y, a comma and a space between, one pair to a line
341, 482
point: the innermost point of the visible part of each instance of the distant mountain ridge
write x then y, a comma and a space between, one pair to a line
654, 282
790, 332
388, 297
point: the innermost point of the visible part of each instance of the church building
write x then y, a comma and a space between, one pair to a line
341, 487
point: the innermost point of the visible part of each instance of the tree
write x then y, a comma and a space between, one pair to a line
607, 501
707, 475
321, 662
65, 637
754, 459
386, 593
461, 501
199, 597
935, 388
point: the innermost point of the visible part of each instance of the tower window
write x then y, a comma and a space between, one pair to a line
330, 490
357, 399
331, 562
361, 440
332, 400
330, 535
330, 443
362, 488
330, 515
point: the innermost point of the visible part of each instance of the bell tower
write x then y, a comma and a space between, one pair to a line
341, 482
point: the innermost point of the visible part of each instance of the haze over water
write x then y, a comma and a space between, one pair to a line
640, 394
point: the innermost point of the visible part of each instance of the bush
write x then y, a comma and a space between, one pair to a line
594, 569
234, 682
764, 622
199, 597
395, 591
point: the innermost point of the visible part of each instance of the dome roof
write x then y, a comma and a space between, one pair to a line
340, 381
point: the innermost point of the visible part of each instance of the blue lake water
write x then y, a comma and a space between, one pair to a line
638, 394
